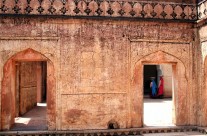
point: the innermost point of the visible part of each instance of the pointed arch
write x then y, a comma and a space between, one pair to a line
8, 88
161, 54
180, 87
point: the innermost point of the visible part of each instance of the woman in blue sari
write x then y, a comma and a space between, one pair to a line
153, 87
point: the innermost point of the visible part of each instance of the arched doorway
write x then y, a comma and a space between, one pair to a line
180, 87
8, 94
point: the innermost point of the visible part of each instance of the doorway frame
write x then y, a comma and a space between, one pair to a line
174, 87
8, 88
179, 93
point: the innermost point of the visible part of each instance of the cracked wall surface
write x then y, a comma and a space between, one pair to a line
95, 65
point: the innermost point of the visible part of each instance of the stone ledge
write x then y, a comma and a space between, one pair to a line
29, 38
111, 132
159, 41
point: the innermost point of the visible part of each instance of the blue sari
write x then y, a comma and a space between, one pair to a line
154, 88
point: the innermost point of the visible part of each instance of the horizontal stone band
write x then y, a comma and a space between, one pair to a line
107, 8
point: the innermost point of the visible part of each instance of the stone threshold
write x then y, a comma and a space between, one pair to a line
109, 132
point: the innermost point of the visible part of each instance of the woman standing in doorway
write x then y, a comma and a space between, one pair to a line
161, 86
153, 87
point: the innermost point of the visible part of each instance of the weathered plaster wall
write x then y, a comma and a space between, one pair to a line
95, 64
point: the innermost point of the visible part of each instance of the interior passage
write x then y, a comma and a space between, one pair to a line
31, 89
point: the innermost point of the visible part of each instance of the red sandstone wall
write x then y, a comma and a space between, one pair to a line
94, 65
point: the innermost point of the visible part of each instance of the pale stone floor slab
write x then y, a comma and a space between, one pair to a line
158, 112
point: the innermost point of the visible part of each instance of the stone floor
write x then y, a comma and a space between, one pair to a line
35, 119
157, 112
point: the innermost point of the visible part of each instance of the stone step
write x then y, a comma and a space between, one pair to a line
149, 131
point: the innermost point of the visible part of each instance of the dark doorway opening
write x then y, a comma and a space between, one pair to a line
149, 71
44, 82
31, 95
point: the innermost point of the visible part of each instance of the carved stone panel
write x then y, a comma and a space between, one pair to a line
117, 8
